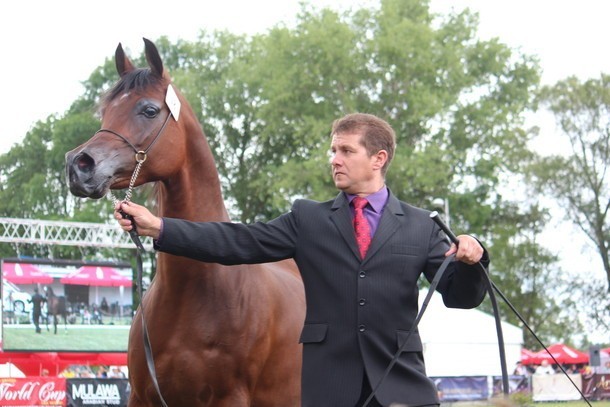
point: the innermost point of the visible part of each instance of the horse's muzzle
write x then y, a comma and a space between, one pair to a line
83, 176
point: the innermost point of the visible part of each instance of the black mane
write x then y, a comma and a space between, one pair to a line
138, 80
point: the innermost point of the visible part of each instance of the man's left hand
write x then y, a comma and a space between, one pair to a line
468, 251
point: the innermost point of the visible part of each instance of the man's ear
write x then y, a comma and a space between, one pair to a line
379, 159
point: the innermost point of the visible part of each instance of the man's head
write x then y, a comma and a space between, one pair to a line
376, 134
362, 147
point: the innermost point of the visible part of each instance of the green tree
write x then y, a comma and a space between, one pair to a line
578, 180
266, 103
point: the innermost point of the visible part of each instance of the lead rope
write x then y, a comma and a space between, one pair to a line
150, 363
433, 285
140, 158
491, 288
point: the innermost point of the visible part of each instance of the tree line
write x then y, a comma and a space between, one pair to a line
458, 105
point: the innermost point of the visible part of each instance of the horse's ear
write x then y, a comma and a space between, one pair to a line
153, 58
123, 64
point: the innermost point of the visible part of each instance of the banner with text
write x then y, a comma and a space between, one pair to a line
97, 392
32, 391
596, 386
462, 388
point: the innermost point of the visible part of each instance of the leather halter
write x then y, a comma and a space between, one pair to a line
140, 154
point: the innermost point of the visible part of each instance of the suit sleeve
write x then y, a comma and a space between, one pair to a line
462, 285
230, 243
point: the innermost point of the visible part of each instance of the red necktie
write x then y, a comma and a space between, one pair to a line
361, 225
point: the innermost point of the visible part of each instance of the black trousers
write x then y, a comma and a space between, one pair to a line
365, 393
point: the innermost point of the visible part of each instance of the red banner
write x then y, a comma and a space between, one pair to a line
33, 391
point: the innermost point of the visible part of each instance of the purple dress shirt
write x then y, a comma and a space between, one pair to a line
374, 210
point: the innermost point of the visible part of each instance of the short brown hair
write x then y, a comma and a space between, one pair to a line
376, 133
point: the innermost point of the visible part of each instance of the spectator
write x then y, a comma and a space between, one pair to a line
521, 370
116, 372
545, 368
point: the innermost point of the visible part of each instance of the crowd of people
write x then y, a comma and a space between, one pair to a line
547, 368
100, 372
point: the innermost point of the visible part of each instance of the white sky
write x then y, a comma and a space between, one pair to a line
50, 47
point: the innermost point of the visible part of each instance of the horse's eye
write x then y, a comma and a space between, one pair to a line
150, 111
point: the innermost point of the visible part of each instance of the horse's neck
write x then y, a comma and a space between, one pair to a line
194, 193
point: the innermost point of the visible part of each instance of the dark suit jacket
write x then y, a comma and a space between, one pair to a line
358, 311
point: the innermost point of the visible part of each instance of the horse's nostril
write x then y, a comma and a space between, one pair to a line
84, 162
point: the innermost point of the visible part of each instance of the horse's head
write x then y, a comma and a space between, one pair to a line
137, 124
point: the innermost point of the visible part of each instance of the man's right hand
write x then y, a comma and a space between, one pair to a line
146, 223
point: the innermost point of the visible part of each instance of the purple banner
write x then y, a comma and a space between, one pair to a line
461, 388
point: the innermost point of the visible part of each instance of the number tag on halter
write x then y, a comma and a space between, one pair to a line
172, 102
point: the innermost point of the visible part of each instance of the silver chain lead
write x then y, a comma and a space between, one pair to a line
140, 158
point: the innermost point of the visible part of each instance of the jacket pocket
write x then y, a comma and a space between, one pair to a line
313, 333
413, 345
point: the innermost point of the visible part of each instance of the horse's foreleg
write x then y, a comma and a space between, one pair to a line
55, 323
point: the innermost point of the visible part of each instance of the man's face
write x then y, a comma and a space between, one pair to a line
353, 170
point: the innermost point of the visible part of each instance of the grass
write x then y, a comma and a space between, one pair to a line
77, 338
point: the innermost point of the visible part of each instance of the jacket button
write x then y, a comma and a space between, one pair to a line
362, 302
361, 328
362, 274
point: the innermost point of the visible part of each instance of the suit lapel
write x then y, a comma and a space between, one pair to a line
342, 218
388, 224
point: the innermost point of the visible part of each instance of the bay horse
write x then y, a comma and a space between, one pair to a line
220, 335
56, 305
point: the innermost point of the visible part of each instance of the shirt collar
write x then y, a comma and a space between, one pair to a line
376, 200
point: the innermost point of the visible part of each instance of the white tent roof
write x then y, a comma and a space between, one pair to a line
460, 342
10, 370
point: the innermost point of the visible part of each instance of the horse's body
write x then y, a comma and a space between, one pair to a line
56, 305
220, 335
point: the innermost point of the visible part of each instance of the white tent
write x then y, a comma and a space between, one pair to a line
10, 370
460, 342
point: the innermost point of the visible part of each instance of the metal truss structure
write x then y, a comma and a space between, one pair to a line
83, 234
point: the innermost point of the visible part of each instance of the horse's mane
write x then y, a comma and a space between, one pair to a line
138, 80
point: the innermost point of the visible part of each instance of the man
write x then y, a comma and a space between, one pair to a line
360, 300
544, 368
36, 301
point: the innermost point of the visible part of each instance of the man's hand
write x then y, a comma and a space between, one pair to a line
146, 223
468, 251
